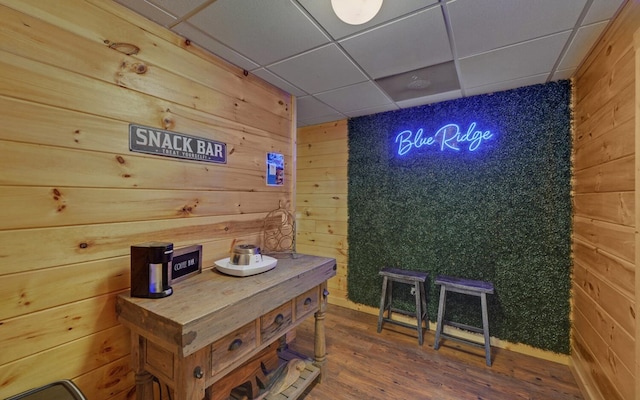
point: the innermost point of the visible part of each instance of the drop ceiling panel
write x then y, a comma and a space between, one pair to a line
563, 74
202, 39
320, 70
506, 85
301, 46
372, 110
178, 8
278, 82
581, 44
150, 11
526, 59
355, 97
403, 45
602, 10
480, 26
312, 110
263, 31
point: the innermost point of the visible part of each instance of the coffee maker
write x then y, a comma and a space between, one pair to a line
151, 269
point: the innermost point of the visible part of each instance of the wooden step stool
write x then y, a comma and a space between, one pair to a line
415, 278
470, 287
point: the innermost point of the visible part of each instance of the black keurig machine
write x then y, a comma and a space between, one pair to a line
151, 269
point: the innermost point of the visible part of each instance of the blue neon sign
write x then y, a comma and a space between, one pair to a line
448, 137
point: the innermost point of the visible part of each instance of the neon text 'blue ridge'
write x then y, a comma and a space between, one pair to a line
448, 137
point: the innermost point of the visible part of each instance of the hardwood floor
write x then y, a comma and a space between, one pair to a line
364, 364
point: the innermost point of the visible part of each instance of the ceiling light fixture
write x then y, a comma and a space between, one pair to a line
418, 83
356, 12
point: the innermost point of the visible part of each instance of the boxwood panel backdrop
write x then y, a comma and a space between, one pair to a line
479, 188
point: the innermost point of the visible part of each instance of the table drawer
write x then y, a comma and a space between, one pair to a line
276, 322
307, 302
230, 348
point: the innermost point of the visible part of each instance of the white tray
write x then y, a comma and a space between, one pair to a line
226, 267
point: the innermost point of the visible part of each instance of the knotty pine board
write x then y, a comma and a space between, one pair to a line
334, 187
322, 200
610, 332
611, 47
613, 144
615, 207
613, 176
620, 273
56, 326
605, 371
334, 227
83, 281
599, 120
320, 226
323, 240
112, 379
44, 166
76, 244
125, 70
33, 207
42, 83
85, 131
324, 213
618, 306
323, 161
70, 359
616, 239
608, 87
325, 147
309, 174
330, 131
93, 279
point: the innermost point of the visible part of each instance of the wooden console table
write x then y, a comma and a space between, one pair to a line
213, 323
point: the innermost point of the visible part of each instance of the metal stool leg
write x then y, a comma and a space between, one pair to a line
383, 303
418, 311
485, 328
441, 308
425, 312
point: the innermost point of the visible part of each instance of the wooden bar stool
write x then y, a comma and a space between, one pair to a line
415, 278
470, 287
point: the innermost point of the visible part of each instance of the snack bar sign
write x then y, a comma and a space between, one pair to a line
144, 139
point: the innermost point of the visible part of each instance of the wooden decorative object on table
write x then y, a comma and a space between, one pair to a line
279, 232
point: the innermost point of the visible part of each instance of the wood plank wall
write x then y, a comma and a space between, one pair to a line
321, 199
604, 353
73, 198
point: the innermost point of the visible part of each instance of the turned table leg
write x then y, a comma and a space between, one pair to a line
320, 346
144, 386
144, 380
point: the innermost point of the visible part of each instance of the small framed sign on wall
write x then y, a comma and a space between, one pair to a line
149, 140
186, 262
275, 169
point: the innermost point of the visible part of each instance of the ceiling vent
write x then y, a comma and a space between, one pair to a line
427, 81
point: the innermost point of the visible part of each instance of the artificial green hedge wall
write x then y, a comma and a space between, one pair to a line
500, 213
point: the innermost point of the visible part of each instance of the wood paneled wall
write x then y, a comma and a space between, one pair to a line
604, 353
73, 198
321, 199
